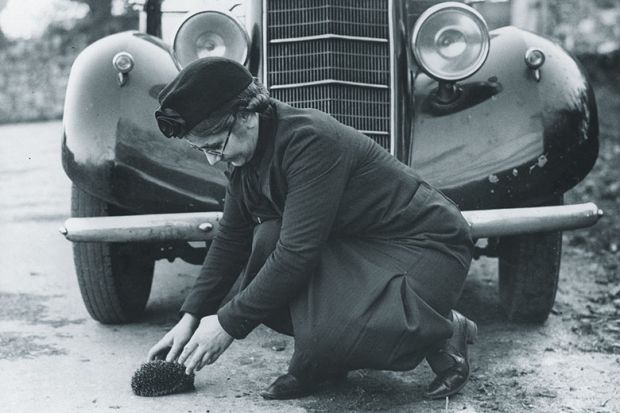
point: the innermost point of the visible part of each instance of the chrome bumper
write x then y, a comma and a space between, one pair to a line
201, 226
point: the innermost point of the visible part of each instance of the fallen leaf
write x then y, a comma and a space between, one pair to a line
546, 393
601, 279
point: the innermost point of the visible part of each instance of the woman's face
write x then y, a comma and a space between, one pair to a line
235, 144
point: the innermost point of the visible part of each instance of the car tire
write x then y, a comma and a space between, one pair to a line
529, 268
114, 278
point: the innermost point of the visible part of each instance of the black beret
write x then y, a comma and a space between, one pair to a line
200, 89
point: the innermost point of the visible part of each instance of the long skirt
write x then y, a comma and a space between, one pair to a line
373, 303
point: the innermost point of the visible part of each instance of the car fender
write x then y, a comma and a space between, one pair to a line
510, 139
112, 147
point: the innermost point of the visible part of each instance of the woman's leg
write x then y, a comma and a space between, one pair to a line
368, 306
372, 305
265, 238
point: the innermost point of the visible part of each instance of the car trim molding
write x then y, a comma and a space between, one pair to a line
329, 82
328, 36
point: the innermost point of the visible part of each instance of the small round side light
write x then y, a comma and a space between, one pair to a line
534, 58
123, 62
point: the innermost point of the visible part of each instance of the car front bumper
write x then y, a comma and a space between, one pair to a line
201, 226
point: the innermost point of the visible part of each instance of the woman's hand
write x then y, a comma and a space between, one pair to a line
206, 345
176, 338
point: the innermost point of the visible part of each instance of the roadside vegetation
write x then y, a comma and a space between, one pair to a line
34, 72
598, 318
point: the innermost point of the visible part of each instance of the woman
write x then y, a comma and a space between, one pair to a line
338, 243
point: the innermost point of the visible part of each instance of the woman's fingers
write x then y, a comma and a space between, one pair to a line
208, 358
151, 354
214, 357
173, 354
193, 361
159, 346
187, 351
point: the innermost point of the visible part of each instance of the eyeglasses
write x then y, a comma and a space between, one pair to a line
218, 153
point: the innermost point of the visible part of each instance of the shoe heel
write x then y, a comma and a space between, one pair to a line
472, 332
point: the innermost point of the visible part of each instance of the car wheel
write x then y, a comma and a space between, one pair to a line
115, 278
529, 267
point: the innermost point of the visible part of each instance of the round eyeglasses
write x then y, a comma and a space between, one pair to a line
216, 152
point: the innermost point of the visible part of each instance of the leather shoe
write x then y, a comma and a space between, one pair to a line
450, 360
288, 386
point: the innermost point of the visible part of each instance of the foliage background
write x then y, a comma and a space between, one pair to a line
34, 73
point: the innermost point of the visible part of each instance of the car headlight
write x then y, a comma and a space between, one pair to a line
210, 33
450, 41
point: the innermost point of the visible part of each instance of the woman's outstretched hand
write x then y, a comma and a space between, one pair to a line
209, 341
176, 338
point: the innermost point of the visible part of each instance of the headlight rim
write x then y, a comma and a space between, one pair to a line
193, 13
478, 19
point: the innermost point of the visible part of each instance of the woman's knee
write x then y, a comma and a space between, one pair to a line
266, 236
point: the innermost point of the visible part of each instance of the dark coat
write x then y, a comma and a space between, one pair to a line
329, 184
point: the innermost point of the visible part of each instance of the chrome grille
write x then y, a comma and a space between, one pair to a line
332, 55
339, 59
290, 19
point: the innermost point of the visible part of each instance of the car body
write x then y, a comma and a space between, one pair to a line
515, 127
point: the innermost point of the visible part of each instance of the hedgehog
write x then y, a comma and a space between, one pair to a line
159, 377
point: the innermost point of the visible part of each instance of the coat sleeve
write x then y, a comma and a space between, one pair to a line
316, 172
227, 255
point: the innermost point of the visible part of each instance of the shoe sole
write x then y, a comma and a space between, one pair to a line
450, 393
472, 332
286, 396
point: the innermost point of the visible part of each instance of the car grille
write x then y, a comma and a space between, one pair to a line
333, 55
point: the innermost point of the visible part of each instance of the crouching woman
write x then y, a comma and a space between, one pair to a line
337, 242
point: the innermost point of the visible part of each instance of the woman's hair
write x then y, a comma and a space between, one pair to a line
254, 99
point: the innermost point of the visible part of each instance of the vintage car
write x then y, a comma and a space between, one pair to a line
503, 121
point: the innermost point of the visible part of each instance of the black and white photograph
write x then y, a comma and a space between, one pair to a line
300, 206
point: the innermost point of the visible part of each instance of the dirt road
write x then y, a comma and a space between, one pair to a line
54, 358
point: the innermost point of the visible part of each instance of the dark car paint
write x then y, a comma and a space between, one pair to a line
522, 142
515, 142
112, 147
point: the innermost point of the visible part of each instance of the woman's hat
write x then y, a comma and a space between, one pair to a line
200, 89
